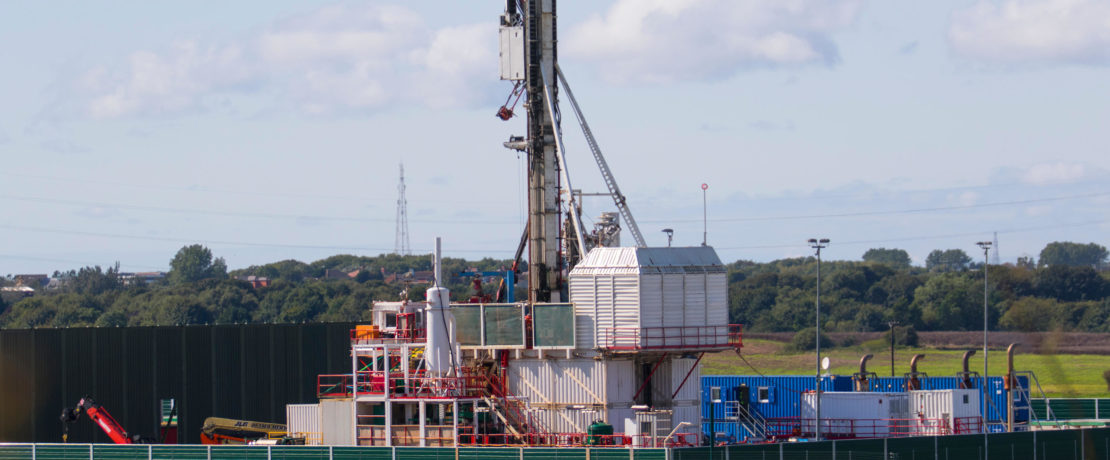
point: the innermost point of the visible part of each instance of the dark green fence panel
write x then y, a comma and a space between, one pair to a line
239, 453
362, 453
21, 452
180, 452
754, 452
242, 372
299, 453
74, 452
649, 454
860, 449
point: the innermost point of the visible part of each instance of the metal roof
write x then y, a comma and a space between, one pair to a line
639, 258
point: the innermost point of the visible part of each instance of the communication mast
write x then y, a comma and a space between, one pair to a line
401, 244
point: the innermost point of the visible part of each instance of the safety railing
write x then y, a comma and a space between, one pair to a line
362, 337
419, 384
673, 337
967, 425
334, 386
577, 440
834, 428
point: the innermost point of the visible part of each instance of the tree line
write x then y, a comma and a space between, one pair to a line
1066, 289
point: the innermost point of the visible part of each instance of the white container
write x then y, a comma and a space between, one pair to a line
940, 412
629, 298
856, 414
337, 422
304, 420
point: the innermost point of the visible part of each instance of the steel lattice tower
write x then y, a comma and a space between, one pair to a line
401, 245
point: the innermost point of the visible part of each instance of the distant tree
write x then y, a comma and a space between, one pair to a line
1070, 284
1074, 254
1026, 262
948, 260
897, 258
904, 336
194, 263
94, 281
806, 339
950, 302
1029, 314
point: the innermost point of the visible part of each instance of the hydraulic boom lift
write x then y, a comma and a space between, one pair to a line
103, 419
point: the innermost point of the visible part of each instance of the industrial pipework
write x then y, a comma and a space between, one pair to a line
913, 382
862, 379
966, 381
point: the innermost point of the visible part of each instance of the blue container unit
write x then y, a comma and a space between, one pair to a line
769, 396
780, 397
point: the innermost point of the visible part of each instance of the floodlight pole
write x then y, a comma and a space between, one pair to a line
818, 244
986, 246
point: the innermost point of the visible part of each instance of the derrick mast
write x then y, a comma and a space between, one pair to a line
545, 280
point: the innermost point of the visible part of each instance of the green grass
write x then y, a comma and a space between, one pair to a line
1073, 376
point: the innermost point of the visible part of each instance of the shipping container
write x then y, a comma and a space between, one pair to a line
848, 414
996, 401
946, 411
303, 420
337, 422
650, 298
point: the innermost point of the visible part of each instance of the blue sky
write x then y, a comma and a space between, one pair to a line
273, 130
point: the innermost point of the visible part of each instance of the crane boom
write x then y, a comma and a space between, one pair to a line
610, 181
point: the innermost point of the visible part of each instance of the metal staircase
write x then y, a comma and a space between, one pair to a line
750, 420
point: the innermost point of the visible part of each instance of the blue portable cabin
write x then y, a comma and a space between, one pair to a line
776, 396
780, 397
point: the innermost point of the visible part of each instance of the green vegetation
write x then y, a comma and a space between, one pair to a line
1073, 376
1068, 293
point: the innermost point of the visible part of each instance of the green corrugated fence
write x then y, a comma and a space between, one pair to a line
195, 452
1082, 444
1029, 445
1071, 408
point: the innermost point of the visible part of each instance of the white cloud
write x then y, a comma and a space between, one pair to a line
668, 40
335, 59
963, 199
1033, 32
1054, 173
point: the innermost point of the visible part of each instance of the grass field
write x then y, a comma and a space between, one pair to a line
1072, 375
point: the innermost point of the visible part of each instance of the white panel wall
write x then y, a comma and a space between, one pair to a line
337, 422
695, 285
303, 419
627, 310
651, 300
718, 299
691, 391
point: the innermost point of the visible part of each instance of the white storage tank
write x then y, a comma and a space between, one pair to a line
847, 414
939, 412
650, 298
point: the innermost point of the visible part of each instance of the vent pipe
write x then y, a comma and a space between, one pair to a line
913, 382
965, 376
1010, 385
862, 379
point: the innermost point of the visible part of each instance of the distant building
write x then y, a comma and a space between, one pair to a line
255, 281
33, 281
147, 277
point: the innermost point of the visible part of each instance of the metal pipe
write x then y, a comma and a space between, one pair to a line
862, 383
1009, 384
966, 383
914, 383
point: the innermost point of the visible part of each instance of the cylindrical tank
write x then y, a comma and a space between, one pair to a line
438, 321
599, 434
